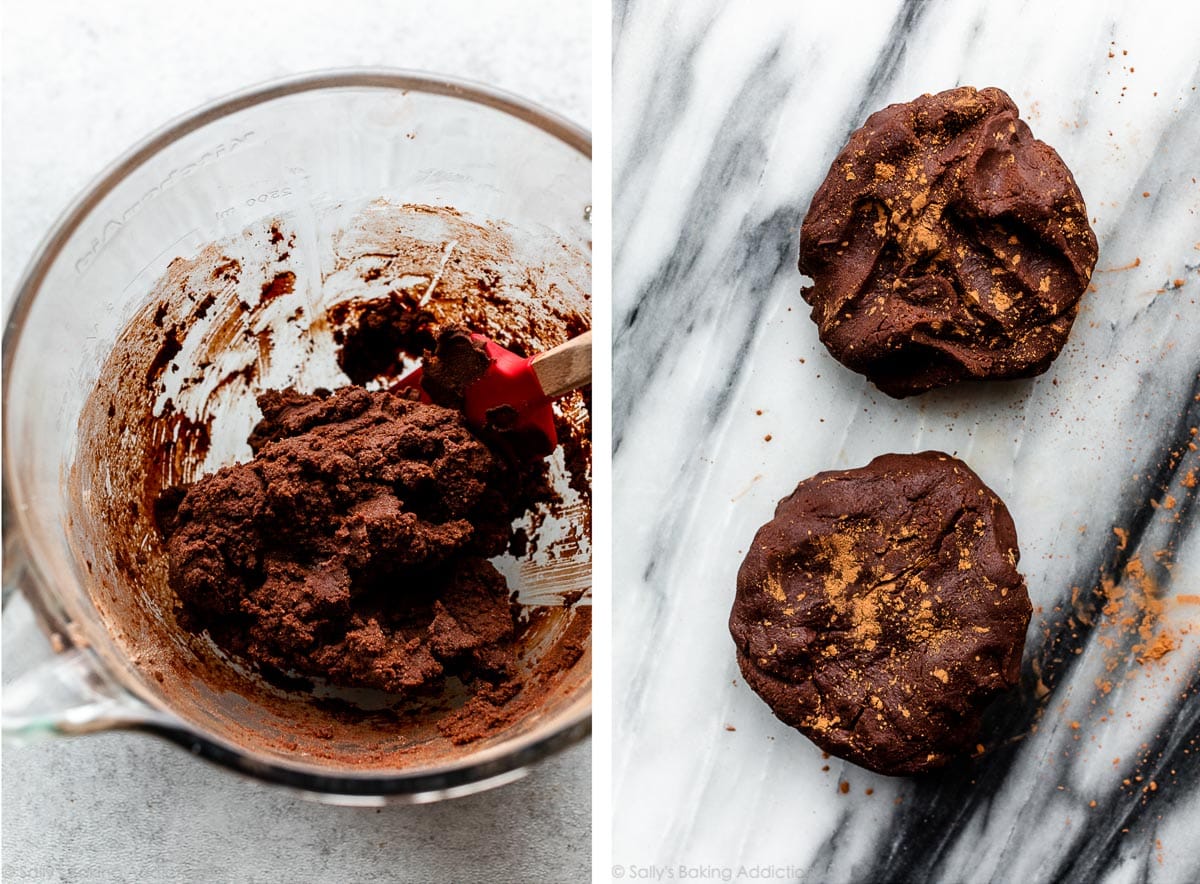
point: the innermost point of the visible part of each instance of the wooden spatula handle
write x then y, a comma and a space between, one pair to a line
565, 368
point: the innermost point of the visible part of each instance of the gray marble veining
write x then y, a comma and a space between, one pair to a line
727, 117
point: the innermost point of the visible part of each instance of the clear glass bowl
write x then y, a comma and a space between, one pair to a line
305, 149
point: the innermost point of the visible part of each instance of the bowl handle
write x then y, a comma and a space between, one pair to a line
58, 688
68, 694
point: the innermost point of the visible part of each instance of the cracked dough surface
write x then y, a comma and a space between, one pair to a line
881, 610
945, 244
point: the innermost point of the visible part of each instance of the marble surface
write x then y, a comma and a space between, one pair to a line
726, 122
81, 84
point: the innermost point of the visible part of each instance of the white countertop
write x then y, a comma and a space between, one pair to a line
81, 84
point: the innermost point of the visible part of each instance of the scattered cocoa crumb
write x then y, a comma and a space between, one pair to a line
1162, 645
1136, 262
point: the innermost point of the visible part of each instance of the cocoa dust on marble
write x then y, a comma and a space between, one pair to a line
1137, 621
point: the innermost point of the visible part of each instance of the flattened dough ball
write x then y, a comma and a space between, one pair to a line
946, 243
881, 610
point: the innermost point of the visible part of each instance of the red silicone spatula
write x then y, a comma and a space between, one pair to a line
500, 391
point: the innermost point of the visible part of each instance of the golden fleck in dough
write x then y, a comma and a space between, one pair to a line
774, 588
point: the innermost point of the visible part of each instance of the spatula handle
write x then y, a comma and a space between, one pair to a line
565, 368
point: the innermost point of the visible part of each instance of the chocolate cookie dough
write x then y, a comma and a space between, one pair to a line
881, 610
946, 243
457, 362
354, 547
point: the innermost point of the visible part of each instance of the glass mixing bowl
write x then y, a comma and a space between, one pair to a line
314, 155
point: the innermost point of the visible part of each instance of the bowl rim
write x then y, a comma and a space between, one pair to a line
491, 766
